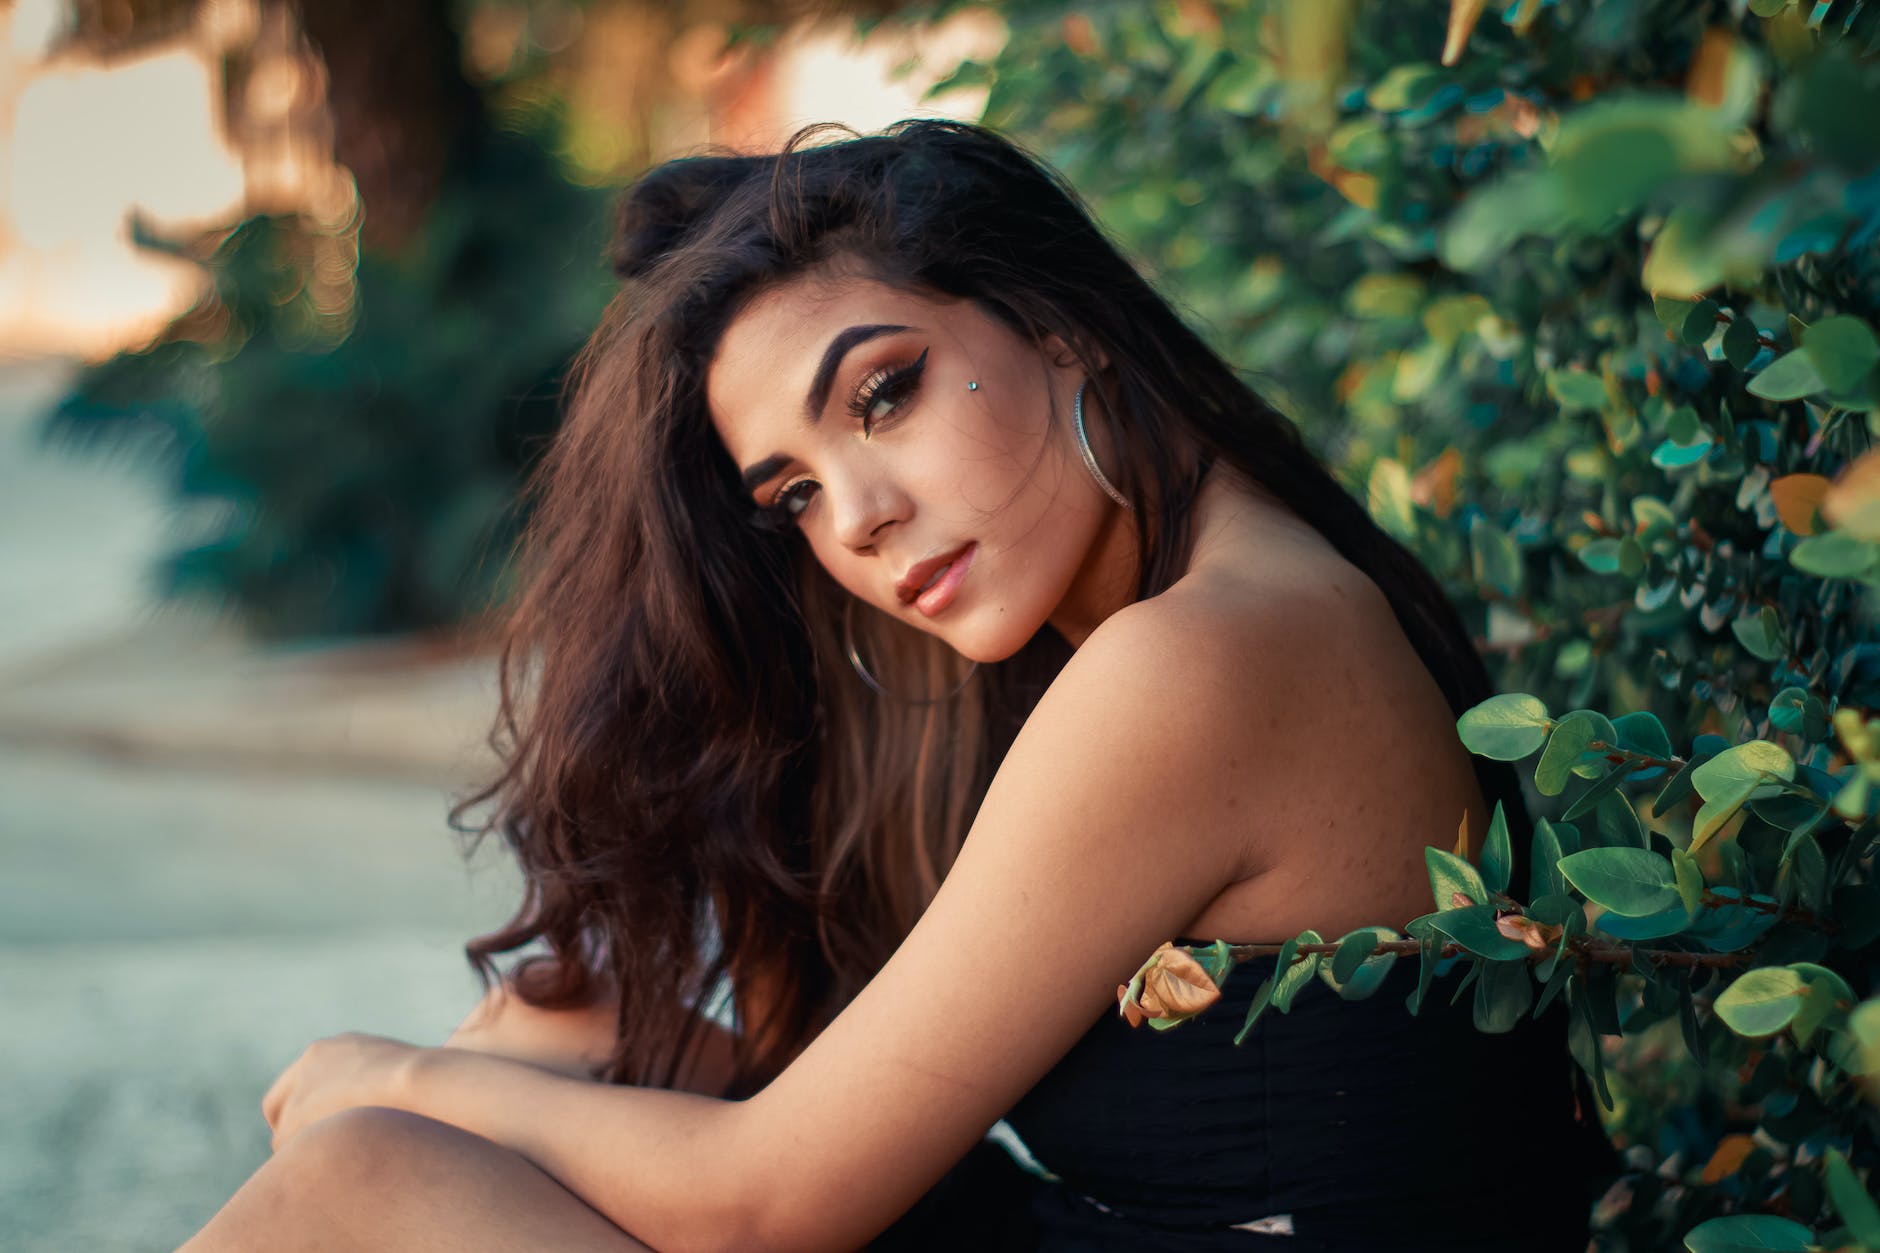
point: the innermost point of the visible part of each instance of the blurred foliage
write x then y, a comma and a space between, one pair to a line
366, 474
355, 403
1581, 296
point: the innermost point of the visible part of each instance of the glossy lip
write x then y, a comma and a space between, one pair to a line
940, 595
908, 588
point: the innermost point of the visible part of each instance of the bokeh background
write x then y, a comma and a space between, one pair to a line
285, 290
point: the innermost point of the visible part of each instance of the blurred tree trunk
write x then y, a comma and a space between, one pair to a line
400, 104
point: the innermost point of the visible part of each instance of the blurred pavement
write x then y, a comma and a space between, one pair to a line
211, 853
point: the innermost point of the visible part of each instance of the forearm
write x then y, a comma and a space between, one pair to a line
576, 1040
659, 1164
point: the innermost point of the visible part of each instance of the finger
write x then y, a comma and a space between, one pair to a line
276, 1096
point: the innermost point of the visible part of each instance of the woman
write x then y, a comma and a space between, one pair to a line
922, 625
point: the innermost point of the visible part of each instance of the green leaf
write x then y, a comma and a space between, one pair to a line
1217, 959
1429, 956
1601, 556
1473, 927
1740, 341
1365, 970
1817, 1007
1690, 879
1678, 786
1843, 350
1852, 1201
1390, 502
1497, 854
1669, 921
1631, 557
1577, 389
1468, 979
1761, 1001
1566, 752
1619, 826
1450, 874
1642, 732
1811, 874
1750, 1233
1760, 634
1756, 763
1671, 455
1353, 948
1732, 777
1687, 1022
1502, 996
1296, 976
1672, 312
1789, 377
1833, 555
1699, 323
1629, 881
1506, 727
1652, 516
1591, 797
1556, 983
1261, 999
1583, 1042
1544, 877
1821, 976
1497, 561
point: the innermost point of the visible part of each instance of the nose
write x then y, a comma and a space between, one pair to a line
864, 509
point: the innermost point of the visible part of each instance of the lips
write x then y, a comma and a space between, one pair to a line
922, 572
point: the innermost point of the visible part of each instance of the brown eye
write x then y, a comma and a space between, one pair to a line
895, 386
795, 497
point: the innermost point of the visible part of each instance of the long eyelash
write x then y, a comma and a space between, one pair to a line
776, 516
878, 383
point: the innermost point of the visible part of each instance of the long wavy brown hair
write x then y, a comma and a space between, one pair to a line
700, 791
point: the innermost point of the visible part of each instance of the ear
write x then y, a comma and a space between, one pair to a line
1061, 353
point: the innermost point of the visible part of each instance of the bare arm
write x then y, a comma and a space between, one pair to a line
575, 1041
1111, 805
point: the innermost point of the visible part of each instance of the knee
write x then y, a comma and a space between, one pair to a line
335, 1184
369, 1153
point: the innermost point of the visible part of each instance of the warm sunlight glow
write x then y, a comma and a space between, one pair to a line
824, 75
86, 147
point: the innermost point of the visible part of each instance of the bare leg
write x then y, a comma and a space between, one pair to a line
385, 1180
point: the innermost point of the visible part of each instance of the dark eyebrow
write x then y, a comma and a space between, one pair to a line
754, 477
832, 357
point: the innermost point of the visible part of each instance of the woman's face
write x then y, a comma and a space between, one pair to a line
962, 511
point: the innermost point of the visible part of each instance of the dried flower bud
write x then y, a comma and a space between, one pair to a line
1171, 984
1535, 935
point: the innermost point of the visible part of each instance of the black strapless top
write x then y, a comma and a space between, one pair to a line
1344, 1125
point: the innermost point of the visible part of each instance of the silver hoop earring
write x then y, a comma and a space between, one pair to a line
874, 684
1090, 458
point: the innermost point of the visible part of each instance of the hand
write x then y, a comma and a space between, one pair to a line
336, 1073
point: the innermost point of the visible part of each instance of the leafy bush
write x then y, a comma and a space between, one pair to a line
1581, 295
361, 469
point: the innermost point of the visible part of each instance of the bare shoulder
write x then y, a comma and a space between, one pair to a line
1242, 639
1307, 721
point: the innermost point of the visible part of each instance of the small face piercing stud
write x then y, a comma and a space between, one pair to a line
972, 385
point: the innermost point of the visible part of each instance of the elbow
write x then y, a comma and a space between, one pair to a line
803, 1223
737, 1210
760, 1222
736, 1234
